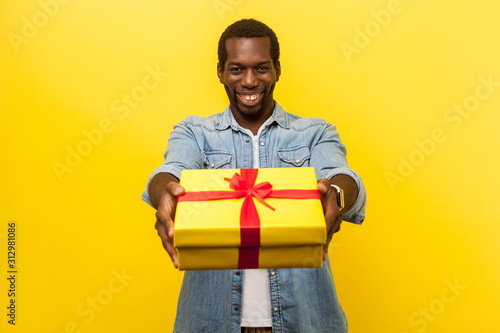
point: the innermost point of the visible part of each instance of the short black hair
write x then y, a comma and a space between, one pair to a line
248, 28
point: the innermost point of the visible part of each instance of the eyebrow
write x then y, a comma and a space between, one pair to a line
258, 64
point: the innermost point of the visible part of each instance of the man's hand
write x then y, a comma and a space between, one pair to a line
164, 190
332, 213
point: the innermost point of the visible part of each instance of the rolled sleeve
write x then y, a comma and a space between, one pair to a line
183, 153
162, 168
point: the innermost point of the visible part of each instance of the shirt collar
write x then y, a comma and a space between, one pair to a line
279, 116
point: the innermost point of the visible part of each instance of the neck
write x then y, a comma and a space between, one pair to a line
252, 123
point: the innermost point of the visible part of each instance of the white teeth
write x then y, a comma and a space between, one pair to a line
250, 97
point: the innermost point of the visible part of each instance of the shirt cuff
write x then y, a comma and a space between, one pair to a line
162, 168
356, 213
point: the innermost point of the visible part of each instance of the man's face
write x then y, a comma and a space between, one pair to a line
249, 77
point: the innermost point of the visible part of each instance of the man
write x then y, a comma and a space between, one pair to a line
254, 131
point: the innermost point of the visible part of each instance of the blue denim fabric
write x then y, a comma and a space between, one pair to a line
302, 300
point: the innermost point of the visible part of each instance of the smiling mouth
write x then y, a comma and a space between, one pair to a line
248, 99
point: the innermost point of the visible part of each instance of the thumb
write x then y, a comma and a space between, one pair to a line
323, 186
176, 189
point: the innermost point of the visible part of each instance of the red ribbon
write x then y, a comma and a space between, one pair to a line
244, 186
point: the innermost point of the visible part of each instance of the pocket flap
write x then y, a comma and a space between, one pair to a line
216, 158
295, 155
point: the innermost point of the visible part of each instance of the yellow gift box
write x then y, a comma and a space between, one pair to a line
249, 218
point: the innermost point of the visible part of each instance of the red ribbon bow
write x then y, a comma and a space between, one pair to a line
244, 186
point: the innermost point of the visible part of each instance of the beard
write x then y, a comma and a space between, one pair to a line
252, 111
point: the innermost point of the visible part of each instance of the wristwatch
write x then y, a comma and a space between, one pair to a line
340, 196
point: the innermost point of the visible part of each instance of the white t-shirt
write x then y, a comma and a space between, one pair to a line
256, 298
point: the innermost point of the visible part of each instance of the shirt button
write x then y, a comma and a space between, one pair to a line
212, 165
236, 309
238, 273
262, 143
297, 161
273, 273
275, 309
247, 141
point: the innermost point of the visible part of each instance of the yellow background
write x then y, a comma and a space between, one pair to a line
433, 227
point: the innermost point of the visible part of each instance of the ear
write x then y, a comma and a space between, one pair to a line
278, 71
220, 73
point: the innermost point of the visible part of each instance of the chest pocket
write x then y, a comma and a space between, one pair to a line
216, 159
294, 156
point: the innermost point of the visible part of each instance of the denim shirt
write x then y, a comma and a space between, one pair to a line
302, 300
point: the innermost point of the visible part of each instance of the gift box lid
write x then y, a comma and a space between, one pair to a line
289, 210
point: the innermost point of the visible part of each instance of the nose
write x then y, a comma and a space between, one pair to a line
249, 79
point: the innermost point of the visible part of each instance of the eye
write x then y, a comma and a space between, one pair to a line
263, 69
235, 70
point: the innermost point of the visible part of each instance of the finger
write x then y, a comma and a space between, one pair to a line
175, 189
164, 219
325, 248
172, 252
323, 186
335, 227
332, 218
330, 210
164, 214
170, 228
165, 226
167, 241
329, 237
168, 202
327, 200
